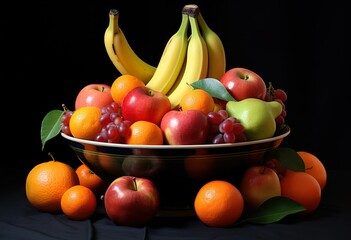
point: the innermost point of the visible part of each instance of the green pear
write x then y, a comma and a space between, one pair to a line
257, 116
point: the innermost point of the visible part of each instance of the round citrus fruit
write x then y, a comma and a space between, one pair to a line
78, 203
197, 99
85, 123
218, 203
46, 183
122, 85
90, 180
314, 167
144, 132
302, 188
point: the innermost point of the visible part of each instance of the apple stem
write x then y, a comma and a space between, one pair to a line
101, 88
135, 185
151, 93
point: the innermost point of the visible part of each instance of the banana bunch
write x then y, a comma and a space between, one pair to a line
193, 53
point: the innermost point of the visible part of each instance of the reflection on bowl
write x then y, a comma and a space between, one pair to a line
177, 170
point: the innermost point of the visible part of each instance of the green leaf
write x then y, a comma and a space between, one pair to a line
289, 158
274, 209
214, 87
50, 126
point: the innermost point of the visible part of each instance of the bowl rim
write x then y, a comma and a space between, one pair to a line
191, 146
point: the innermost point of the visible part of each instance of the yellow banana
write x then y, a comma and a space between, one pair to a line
215, 48
196, 62
180, 75
121, 54
171, 60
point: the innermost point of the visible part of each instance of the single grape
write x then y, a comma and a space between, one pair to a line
102, 136
223, 113
214, 118
238, 128
229, 137
279, 120
218, 139
226, 126
112, 133
280, 94
241, 137
66, 117
123, 128
65, 129
105, 119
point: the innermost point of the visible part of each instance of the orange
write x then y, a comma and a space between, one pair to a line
122, 85
197, 99
90, 180
78, 203
218, 203
314, 167
85, 123
47, 182
144, 132
302, 188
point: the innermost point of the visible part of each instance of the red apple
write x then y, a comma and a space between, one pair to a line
143, 103
96, 94
258, 184
131, 201
243, 83
185, 127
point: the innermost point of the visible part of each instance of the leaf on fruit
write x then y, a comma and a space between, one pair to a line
214, 87
289, 158
274, 209
50, 126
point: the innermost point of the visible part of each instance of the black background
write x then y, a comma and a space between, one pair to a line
51, 49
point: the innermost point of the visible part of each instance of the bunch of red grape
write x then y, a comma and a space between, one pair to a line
280, 96
114, 127
224, 129
66, 117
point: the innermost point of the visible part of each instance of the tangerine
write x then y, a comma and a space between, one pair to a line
144, 132
197, 99
85, 123
314, 167
122, 85
78, 202
218, 203
302, 188
90, 180
46, 183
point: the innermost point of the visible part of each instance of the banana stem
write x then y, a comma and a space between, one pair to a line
191, 10
114, 15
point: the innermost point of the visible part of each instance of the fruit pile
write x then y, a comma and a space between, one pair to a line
188, 98
158, 105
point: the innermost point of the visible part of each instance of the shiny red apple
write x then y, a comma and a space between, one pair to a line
258, 184
143, 103
131, 201
243, 83
96, 94
185, 127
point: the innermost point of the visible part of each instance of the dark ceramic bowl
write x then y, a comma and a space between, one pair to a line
177, 170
